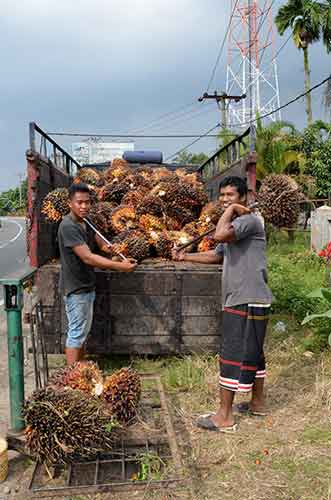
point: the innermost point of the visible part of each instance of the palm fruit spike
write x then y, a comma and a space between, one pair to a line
150, 223
162, 244
83, 376
89, 176
56, 205
115, 191
135, 197
118, 170
62, 425
100, 215
207, 243
123, 217
278, 199
183, 215
151, 205
122, 392
211, 212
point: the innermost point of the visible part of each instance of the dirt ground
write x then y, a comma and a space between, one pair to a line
283, 456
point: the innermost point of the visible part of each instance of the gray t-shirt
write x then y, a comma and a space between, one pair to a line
75, 274
244, 278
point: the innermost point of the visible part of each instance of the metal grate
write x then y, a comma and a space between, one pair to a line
135, 463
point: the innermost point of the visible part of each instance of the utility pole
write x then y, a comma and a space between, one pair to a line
221, 103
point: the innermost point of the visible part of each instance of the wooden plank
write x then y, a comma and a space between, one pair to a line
201, 326
202, 284
143, 305
201, 306
146, 326
153, 283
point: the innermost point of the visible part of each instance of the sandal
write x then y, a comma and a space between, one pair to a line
245, 409
205, 422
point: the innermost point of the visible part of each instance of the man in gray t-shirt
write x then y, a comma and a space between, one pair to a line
77, 278
246, 300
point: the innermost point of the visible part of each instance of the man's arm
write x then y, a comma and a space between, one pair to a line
225, 232
94, 260
102, 245
209, 257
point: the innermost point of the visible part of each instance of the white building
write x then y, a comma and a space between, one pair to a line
99, 152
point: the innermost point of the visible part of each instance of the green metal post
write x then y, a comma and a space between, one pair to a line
15, 368
13, 305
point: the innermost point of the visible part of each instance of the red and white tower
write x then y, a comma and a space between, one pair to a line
252, 64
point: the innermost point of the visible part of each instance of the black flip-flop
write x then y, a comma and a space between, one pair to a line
205, 422
245, 409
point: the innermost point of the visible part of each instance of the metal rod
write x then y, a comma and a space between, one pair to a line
89, 223
198, 238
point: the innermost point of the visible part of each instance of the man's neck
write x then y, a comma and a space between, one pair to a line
75, 217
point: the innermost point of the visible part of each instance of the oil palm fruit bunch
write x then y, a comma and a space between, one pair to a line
161, 173
122, 218
114, 191
211, 212
179, 238
118, 170
162, 244
122, 391
64, 425
180, 214
83, 376
151, 223
193, 178
134, 197
56, 205
131, 243
100, 215
89, 176
151, 205
278, 199
207, 243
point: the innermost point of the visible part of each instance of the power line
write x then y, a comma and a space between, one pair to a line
193, 142
222, 46
280, 49
126, 136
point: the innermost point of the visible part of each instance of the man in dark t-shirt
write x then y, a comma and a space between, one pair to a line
77, 277
246, 300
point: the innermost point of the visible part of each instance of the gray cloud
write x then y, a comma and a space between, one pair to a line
113, 66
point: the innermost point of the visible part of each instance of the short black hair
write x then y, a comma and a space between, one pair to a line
238, 182
78, 188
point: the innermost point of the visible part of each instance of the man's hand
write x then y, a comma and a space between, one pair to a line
127, 266
178, 256
239, 210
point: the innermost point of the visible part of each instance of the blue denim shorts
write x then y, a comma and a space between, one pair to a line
79, 310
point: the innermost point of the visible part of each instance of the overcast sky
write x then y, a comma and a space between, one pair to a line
113, 66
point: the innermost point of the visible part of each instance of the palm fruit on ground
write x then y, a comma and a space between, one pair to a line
207, 243
118, 170
63, 425
122, 218
56, 205
100, 215
83, 376
89, 176
278, 199
151, 205
211, 212
122, 391
151, 223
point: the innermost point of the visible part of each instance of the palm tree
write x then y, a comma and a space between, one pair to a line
309, 20
275, 148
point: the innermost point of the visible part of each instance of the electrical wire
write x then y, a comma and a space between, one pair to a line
222, 46
206, 134
126, 136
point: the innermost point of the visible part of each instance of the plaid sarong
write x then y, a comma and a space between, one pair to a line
242, 357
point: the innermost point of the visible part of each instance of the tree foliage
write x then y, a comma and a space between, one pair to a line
10, 200
186, 158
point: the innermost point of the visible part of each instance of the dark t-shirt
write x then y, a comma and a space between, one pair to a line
245, 266
75, 274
